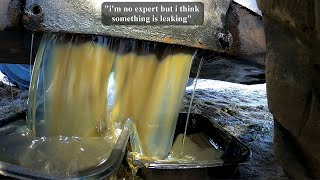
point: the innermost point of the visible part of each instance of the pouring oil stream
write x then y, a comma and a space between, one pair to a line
190, 105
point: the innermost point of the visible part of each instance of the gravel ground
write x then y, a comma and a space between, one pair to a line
12, 99
240, 109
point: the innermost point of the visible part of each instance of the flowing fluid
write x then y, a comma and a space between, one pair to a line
85, 86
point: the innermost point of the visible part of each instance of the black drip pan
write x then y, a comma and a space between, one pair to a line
235, 152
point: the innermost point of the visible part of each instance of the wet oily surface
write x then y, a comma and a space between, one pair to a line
196, 148
51, 154
204, 145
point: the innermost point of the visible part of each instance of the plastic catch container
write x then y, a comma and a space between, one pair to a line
106, 170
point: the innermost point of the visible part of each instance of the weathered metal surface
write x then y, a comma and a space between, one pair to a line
229, 28
233, 29
4, 20
84, 17
248, 35
10, 14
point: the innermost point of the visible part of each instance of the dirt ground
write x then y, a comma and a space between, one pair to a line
240, 109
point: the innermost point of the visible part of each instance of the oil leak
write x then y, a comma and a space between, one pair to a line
84, 86
31, 53
190, 105
196, 148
